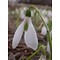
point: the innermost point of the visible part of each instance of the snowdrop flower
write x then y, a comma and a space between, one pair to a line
25, 8
44, 12
30, 36
44, 31
49, 14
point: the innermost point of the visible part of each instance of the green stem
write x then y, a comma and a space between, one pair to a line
40, 57
41, 47
40, 16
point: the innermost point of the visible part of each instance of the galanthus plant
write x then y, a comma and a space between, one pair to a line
30, 36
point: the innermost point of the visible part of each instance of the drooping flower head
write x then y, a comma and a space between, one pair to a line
30, 36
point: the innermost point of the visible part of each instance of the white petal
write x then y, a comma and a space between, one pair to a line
49, 14
44, 31
44, 12
25, 8
18, 35
30, 37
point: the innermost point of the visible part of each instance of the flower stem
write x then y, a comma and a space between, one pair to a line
41, 47
40, 15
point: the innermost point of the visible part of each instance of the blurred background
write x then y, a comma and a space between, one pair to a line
38, 2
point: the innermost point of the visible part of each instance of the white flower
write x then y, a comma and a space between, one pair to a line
30, 36
43, 30
49, 14
44, 12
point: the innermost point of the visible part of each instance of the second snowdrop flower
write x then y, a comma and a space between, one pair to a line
30, 36
44, 31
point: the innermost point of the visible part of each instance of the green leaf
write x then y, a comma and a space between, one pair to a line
26, 27
50, 25
50, 43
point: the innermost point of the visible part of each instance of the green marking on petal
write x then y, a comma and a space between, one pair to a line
26, 27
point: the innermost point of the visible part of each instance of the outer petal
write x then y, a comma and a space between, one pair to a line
18, 35
30, 36
44, 31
